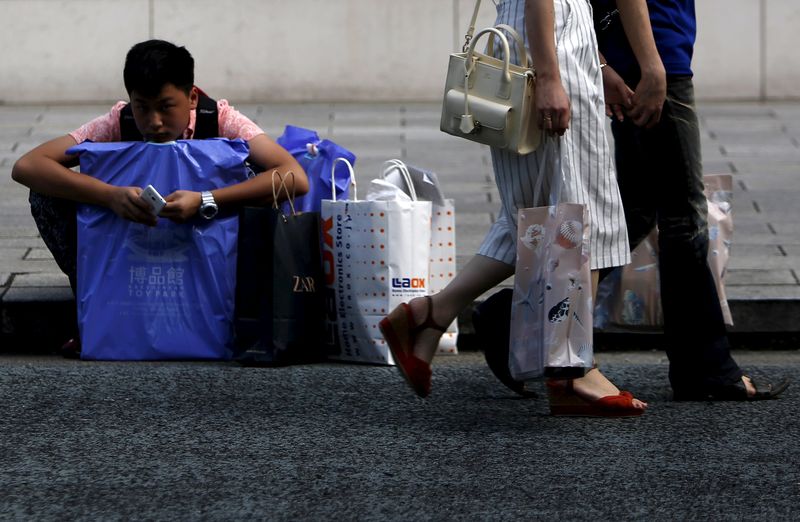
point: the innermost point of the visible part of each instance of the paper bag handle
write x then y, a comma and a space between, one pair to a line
403, 169
352, 178
282, 187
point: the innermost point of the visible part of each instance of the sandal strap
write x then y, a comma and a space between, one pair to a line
429, 322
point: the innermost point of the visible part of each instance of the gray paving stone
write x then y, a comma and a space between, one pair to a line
767, 239
15, 115
8, 254
7, 232
38, 253
40, 280
755, 251
771, 150
20, 243
14, 132
36, 294
389, 119
760, 262
28, 266
736, 110
769, 182
763, 292
792, 250
737, 124
474, 220
717, 166
749, 277
759, 140
367, 108
4, 279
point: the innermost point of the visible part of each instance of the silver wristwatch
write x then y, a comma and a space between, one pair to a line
208, 207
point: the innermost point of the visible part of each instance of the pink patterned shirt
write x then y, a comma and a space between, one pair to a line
232, 124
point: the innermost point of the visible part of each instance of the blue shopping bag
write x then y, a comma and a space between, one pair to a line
163, 292
316, 156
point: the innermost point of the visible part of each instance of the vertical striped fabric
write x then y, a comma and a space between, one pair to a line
586, 160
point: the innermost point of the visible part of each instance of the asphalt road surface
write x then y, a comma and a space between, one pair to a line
214, 441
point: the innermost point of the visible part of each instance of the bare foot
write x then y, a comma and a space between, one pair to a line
748, 384
594, 385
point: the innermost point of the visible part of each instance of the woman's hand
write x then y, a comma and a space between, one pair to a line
552, 106
619, 96
182, 205
126, 203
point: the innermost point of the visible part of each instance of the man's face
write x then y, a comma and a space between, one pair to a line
165, 116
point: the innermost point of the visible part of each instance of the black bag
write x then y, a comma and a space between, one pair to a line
491, 320
279, 315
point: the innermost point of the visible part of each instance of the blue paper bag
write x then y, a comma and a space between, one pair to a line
316, 157
163, 292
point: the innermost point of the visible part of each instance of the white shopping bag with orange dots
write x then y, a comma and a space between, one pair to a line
375, 256
442, 265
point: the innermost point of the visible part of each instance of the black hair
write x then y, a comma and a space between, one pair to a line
150, 65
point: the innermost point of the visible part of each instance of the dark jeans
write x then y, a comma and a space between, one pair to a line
660, 179
56, 220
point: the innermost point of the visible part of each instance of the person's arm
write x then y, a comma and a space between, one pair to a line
182, 205
46, 170
552, 102
649, 95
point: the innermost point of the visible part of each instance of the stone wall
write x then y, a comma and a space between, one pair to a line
266, 50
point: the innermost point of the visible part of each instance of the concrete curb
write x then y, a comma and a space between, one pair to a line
38, 320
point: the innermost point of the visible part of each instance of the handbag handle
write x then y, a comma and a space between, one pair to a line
352, 178
525, 59
469, 63
282, 187
404, 173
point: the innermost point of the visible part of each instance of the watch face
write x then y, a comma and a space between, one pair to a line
208, 211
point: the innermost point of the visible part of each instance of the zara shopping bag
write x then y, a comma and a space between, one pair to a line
316, 156
630, 296
279, 308
375, 256
551, 314
442, 264
163, 292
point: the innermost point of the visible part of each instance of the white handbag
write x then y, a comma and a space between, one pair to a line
489, 100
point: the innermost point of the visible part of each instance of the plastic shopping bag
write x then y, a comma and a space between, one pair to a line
317, 157
163, 292
630, 296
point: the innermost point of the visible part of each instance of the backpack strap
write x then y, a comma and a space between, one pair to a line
206, 123
127, 125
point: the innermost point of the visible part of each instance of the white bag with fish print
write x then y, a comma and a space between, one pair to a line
551, 314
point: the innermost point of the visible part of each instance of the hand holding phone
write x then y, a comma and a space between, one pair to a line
154, 199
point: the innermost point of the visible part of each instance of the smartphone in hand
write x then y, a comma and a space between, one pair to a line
153, 198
